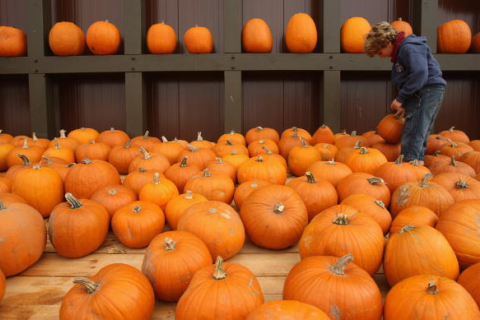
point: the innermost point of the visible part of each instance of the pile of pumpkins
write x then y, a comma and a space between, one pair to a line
349, 201
103, 37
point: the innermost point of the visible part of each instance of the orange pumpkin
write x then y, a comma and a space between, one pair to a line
113, 137
301, 157
103, 38
24, 237
330, 170
470, 280
390, 128
235, 286
396, 173
127, 290
170, 149
198, 40
66, 39
8, 198
476, 43
213, 185
57, 151
3, 285
256, 36
113, 197
360, 182
455, 135
4, 151
353, 33
179, 173
146, 141
414, 216
259, 168
121, 156
84, 135
161, 39
139, 178
323, 135
287, 309
5, 137
93, 151
314, 278
171, 260
158, 191
177, 206
258, 133
460, 186
454, 36
243, 190
402, 25
149, 161
65, 141
13, 42
301, 33
365, 160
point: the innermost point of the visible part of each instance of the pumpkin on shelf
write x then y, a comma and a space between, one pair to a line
301, 34
57, 151
260, 168
235, 286
171, 259
170, 149
256, 36
213, 185
361, 182
103, 38
198, 40
396, 173
161, 39
455, 135
243, 190
65, 142
149, 161
33, 153
138, 178
352, 34
146, 141
476, 43
179, 173
5, 137
331, 171
66, 39
454, 36
402, 25
13, 42
323, 135
127, 290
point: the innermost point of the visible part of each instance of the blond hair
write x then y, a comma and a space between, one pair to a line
378, 38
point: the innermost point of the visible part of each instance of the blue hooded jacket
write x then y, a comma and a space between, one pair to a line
415, 68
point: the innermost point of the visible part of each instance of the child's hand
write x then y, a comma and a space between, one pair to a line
400, 112
395, 105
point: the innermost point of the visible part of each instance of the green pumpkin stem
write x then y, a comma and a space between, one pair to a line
74, 202
399, 160
90, 285
183, 164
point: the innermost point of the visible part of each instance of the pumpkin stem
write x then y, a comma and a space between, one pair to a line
232, 131
451, 129
452, 143
229, 143
406, 229
375, 180
432, 288
192, 148
2, 206
399, 160
74, 202
92, 141
207, 173
164, 140
25, 144
156, 178
127, 144
62, 134
424, 182
259, 128
142, 170
267, 151
112, 130
145, 153
310, 177
112, 192
90, 285
47, 160
462, 184
169, 244
145, 136
34, 136
339, 267
86, 161
331, 162
259, 159
363, 150
57, 145
380, 204
199, 136
136, 209
218, 160
219, 273
453, 163
278, 208
26, 161
341, 219
188, 195
302, 141
183, 164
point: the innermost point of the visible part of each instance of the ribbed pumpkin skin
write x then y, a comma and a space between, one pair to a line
470, 280
454, 36
410, 300
13, 42
230, 298
256, 36
414, 216
352, 34
170, 270
24, 237
161, 39
301, 34
198, 40
287, 309
123, 293
66, 39
103, 38
420, 250
353, 295
390, 128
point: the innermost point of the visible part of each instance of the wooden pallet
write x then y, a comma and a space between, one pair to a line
37, 293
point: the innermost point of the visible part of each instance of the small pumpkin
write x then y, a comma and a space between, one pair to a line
170, 149
146, 141
113, 137
103, 38
243, 190
158, 191
179, 173
331, 171
121, 156
93, 151
198, 40
161, 39
259, 132
66, 39
113, 197
352, 34
301, 34
323, 135
84, 134
13, 42
360, 182
256, 36
390, 128
213, 185
177, 206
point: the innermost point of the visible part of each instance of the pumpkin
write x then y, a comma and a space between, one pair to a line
113, 197
323, 135
470, 280
350, 140
121, 156
341, 229
429, 297
179, 173
255, 148
472, 159
214, 186
345, 151
33, 153
17, 168
84, 135
459, 224
243, 190
390, 128
13, 42
475, 144
57, 164
199, 156
65, 141
434, 142
454, 36
139, 178
222, 148
331, 171
456, 149
455, 166
372, 137
170, 149
365, 183
149, 161
402, 25
5, 137
202, 143
217, 224
256, 36
460, 186
365, 160
158, 191
372, 207
269, 155
224, 167
353, 33
23, 235
113, 137
327, 151
161, 39
137, 223
314, 278
413, 216
78, 227
103, 38
4, 151
418, 250
57, 151
127, 290
423, 193
19, 141
198, 40
171, 259
5, 184
41, 187
39, 142
301, 34
259, 168
232, 136
430, 159
301, 157
225, 284
8, 198
274, 216
66, 39
396, 173
84, 178
177, 206
3, 285
146, 141
259, 133
299, 131
287, 309
93, 151
317, 195
455, 135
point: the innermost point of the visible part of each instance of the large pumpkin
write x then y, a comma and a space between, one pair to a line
301, 34
287, 309
198, 40
13, 42
103, 38
256, 36
66, 39
171, 260
429, 297
274, 216
454, 36
161, 38
220, 291
353, 33
24, 237
117, 291
333, 285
